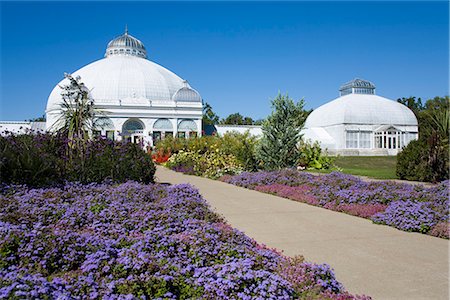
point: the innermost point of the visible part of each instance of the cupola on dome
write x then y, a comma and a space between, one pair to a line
186, 93
357, 86
126, 45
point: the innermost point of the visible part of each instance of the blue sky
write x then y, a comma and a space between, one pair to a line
238, 55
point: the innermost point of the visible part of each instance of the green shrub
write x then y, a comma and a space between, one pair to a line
428, 158
35, 160
38, 160
423, 160
410, 161
212, 164
117, 161
171, 144
311, 157
242, 147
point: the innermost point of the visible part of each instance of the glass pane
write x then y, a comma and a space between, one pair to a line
110, 134
156, 136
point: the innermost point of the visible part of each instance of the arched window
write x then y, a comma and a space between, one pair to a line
187, 125
163, 125
103, 123
132, 126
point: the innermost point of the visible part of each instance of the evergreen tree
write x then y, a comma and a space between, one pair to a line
281, 134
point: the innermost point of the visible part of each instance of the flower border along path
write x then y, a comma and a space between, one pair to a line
403, 206
367, 258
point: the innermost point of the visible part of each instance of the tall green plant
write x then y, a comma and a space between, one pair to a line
76, 118
77, 109
281, 133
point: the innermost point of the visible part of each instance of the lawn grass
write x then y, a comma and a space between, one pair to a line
380, 167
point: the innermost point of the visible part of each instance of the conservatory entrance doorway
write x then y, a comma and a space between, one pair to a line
389, 138
133, 131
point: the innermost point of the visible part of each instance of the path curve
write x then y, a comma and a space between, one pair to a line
370, 259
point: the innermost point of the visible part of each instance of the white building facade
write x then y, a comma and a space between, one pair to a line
21, 127
254, 130
361, 123
138, 100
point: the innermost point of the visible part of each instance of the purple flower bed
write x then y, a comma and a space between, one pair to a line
135, 241
408, 216
403, 206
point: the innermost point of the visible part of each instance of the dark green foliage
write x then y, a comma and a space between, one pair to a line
281, 134
31, 159
237, 119
428, 158
209, 116
117, 161
410, 162
434, 119
412, 103
41, 160
38, 119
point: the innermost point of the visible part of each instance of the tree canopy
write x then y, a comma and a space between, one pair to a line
38, 119
237, 119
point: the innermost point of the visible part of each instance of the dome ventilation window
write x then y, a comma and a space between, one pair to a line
357, 86
186, 94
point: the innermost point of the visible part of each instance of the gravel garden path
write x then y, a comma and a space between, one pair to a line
370, 259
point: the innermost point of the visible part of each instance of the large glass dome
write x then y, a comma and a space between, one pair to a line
125, 78
360, 109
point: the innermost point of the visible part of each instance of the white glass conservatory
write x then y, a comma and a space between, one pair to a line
139, 100
361, 123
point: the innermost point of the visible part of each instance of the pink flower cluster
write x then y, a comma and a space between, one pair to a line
298, 193
361, 210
